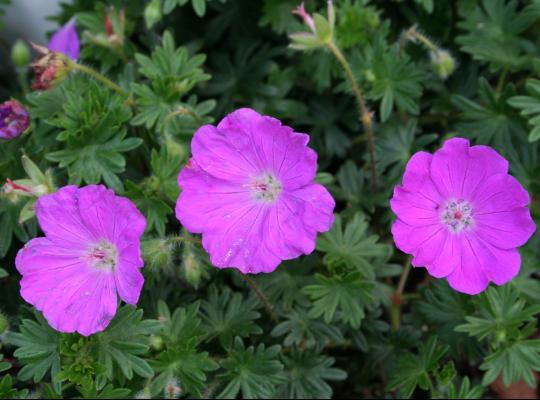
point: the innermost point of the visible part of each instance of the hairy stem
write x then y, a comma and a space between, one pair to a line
262, 297
365, 116
103, 79
397, 296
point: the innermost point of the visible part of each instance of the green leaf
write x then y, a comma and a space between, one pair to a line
413, 370
94, 135
308, 374
501, 314
352, 247
124, 342
494, 31
490, 120
199, 6
254, 373
227, 314
37, 349
345, 295
530, 107
465, 391
301, 329
182, 335
518, 361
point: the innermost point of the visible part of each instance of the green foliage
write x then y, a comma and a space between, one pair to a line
182, 333
349, 323
507, 320
530, 107
414, 370
343, 295
351, 248
252, 372
92, 128
494, 34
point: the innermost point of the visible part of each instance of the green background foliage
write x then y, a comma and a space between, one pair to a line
344, 328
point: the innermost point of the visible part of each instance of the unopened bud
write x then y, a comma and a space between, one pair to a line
172, 389
20, 54
156, 342
443, 63
192, 269
51, 68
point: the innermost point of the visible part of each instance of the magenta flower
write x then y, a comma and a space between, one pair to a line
13, 119
462, 216
66, 41
249, 190
90, 253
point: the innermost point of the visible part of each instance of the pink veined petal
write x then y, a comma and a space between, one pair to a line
205, 198
276, 147
59, 217
427, 254
86, 307
318, 206
238, 243
505, 229
500, 192
72, 296
448, 258
109, 216
484, 162
66, 41
458, 170
226, 155
449, 167
413, 208
499, 266
127, 275
408, 238
468, 276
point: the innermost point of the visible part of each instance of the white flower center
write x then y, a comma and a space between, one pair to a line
266, 188
457, 215
103, 256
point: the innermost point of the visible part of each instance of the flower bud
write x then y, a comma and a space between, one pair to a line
157, 253
20, 54
51, 68
14, 119
443, 63
172, 389
144, 394
322, 29
152, 13
192, 268
156, 342
23, 187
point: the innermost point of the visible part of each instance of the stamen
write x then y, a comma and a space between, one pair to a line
457, 215
103, 256
266, 188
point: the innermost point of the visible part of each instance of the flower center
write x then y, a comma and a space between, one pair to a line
266, 188
457, 215
103, 256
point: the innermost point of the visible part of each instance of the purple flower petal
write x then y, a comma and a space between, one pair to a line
90, 255
249, 190
66, 41
462, 216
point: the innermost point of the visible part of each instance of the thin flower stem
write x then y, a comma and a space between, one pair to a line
103, 79
177, 239
397, 296
264, 300
365, 116
185, 111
